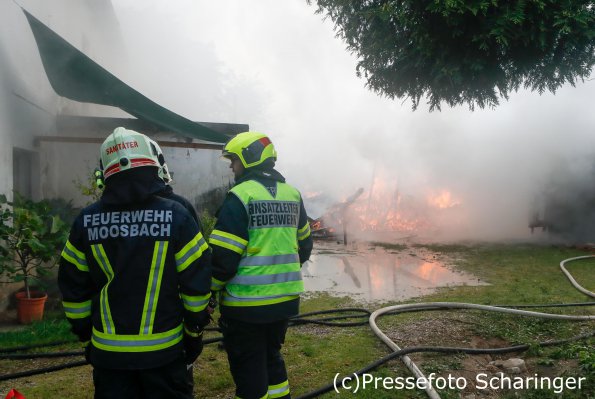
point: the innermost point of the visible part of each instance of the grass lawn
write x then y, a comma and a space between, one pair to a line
517, 274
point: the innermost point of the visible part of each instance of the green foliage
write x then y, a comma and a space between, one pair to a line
32, 235
89, 188
466, 51
37, 333
586, 360
64, 209
441, 365
208, 223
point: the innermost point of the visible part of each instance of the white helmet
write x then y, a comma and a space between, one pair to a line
126, 149
163, 169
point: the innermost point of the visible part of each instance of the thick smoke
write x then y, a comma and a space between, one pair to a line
279, 67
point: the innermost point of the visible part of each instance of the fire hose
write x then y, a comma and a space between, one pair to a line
371, 319
304, 318
402, 353
571, 279
455, 305
439, 349
452, 305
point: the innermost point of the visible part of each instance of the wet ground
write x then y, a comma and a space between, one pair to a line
371, 273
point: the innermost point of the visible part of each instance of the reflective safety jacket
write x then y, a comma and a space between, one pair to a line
133, 277
260, 240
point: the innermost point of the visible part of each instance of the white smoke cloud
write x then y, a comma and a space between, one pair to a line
279, 67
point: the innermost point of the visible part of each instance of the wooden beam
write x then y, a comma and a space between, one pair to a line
96, 140
70, 124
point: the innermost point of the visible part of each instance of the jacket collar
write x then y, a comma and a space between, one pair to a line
133, 185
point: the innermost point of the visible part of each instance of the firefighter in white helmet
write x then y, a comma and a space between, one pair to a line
165, 175
135, 278
163, 171
259, 242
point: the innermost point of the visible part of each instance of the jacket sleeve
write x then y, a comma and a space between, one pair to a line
193, 264
305, 242
76, 285
229, 240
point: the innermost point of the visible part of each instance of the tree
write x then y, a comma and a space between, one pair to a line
466, 51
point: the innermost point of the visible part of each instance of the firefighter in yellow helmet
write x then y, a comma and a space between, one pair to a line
135, 278
259, 243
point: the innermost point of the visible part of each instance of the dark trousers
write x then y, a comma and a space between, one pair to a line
255, 360
171, 381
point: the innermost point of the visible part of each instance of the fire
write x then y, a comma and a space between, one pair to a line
442, 200
384, 208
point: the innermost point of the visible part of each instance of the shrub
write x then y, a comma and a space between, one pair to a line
32, 236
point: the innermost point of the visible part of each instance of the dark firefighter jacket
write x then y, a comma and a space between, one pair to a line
135, 274
232, 224
168, 193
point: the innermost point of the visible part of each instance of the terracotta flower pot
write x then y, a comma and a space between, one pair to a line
30, 309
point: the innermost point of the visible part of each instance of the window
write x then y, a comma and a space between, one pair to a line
22, 172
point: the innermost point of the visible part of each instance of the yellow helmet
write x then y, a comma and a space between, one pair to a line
126, 149
251, 147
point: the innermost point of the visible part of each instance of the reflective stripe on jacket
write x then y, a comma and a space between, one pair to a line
269, 271
132, 277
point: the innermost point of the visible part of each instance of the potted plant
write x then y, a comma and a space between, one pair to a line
31, 238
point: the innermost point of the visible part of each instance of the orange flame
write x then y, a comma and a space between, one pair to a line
382, 207
385, 208
442, 200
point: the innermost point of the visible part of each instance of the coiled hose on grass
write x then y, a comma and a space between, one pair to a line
571, 279
454, 305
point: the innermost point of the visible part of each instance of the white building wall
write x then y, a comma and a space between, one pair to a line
195, 171
29, 107
28, 104
5, 138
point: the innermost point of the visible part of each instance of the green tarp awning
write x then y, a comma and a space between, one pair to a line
75, 76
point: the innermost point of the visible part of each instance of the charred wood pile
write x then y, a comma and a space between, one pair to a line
333, 223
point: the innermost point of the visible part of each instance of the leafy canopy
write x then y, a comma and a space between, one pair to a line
466, 51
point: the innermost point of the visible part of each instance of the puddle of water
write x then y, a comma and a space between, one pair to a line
374, 274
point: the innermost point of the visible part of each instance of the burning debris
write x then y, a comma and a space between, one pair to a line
335, 219
383, 210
